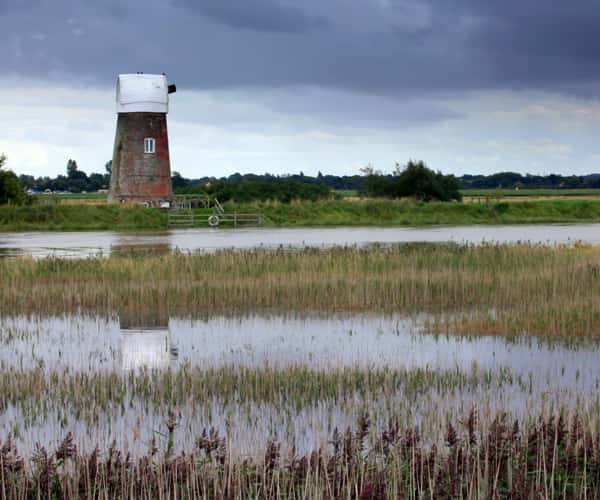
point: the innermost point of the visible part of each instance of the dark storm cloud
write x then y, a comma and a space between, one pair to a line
388, 47
258, 15
8, 5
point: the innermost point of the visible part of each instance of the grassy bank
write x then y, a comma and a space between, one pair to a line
299, 214
474, 290
410, 213
80, 217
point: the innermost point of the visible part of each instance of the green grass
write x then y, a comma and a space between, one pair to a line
495, 193
305, 214
80, 217
345, 193
410, 213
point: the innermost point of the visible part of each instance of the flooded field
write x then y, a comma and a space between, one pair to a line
85, 244
391, 368
294, 379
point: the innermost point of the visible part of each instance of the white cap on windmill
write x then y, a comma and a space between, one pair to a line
142, 93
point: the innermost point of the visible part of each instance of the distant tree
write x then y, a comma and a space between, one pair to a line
283, 190
77, 180
374, 183
369, 170
108, 167
178, 181
414, 179
11, 190
417, 180
71, 168
95, 182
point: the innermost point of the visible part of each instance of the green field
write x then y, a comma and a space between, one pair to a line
503, 193
298, 214
524, 193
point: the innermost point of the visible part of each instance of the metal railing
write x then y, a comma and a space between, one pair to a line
187, 202
218, 208
190, 219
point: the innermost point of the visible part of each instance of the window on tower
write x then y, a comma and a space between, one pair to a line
149, 145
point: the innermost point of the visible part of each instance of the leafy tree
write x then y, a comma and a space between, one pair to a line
283, 190
96, 182
108, 167
71, 168
178, 181
11, 190
414, 179
423, 183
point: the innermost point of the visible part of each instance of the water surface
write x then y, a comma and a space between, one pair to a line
522, 377
84, 244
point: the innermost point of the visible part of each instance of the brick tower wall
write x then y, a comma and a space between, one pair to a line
137, 176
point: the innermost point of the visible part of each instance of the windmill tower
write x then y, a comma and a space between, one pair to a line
141, 170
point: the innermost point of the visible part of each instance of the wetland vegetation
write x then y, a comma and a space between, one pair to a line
417, 370
498, 289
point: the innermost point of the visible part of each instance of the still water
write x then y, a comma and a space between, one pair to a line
522, 376
96, 344
85, 244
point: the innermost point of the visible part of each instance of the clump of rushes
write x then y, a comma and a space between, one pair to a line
506, 289
549, 457
86, 396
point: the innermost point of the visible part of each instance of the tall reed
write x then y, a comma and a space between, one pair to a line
509, 289
552, 457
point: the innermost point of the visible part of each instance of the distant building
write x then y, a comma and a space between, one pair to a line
141, 169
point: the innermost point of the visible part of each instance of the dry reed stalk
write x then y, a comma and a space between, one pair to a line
531, 289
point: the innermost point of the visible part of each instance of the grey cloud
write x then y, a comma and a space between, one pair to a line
397, 48
257, 15
7, 6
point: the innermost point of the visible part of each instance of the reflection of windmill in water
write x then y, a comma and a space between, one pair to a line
146, 341
129, 246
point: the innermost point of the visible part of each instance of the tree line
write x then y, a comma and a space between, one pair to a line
414, 179
359, 182
75, 180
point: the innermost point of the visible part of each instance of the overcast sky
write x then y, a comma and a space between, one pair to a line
281, 86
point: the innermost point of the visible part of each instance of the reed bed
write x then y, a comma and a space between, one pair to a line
85, 394
302, 430
555, 456
504, 289
299, 405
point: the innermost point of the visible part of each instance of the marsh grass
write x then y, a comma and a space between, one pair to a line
489, 289
84, 394
554, 456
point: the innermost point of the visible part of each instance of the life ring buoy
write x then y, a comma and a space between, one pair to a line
213, 220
